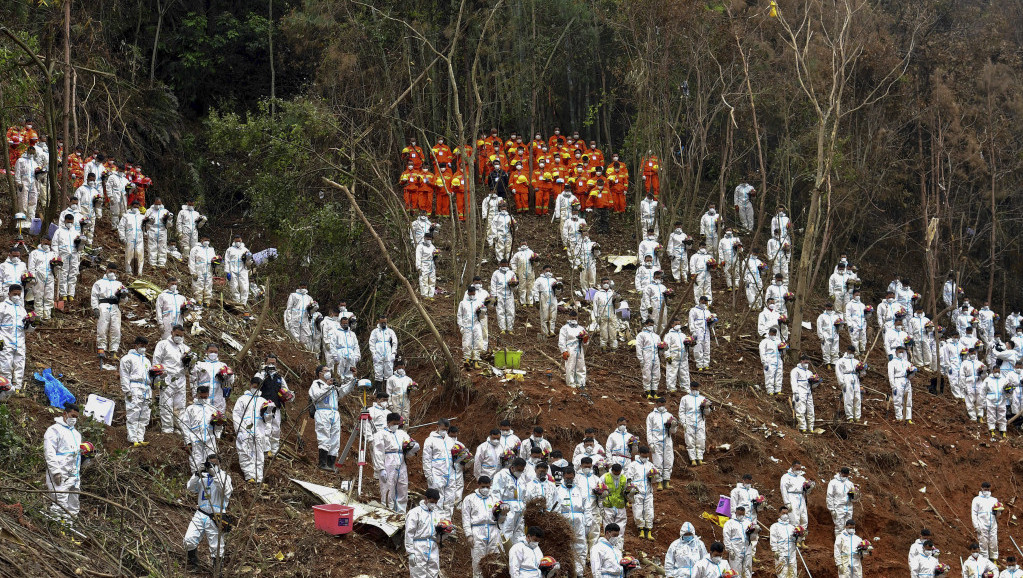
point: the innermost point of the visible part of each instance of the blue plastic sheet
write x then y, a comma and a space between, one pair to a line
55, 390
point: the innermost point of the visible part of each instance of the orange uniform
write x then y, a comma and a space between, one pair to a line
441, 153
518, 181
557, 141
458, 187
618, 177
484, 148
442, 189
651, 176
536, 147
413, 153
460, 163
410, 187
497, 156
578, 182
596, 156
599, 195
542, 186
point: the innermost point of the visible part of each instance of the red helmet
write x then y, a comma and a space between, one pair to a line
56, 262
653, 473
5, 384
599, 489
218, 418
86, 449
940, 569
157, 370
782, 346
799, 531
998, 507
547, 563
729, 574
27, 277
629, 563
225, 372
445, 527
864, 545
286, 394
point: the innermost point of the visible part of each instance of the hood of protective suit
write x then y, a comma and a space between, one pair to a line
687, 528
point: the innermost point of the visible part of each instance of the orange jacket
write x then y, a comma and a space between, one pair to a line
651, 165
414, 154
600, 195
596, 156
618, 172
556, 141
442, 153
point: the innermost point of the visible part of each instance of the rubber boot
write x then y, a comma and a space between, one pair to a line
331, 460
323, 459
193, 559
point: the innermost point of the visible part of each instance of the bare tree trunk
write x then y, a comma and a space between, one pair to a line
273, 76
65, 174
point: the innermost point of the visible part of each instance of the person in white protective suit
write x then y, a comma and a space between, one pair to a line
503, 283
779, 255
837, 289
421, 227
644, 274
63, 456
487, 459
977, 565
922, 565
654, 303
114, 189
132, 233
201, 258
422, 538
323, 397
438, 465
701, 322
743, 201
729, 249
678, 243
107, 293
502, 231
621, 444
950, 356
12, 271
651, 246
984, 513
794, 487
12, 334
545, 295
572, 340
781, 225
752, 276
587, 253
157, 223
392, 446
919, 328
784, 544
346, 348
642, 474
298, 315
676, 359
840, 496
715, 565
171, 352
471, 327
573, 503
137, 386
399, 386
522, 264
426, 264
541, 486
660, 424
69, 248
828, 325
44, 268
971, 376
849, 552
383, 346
683, 554
90, 206
510, 487
214, 488
700, 266
212, 372
451, 497
744, 495
772, 358
848, 370
489, 212
606, 555
899, 372
479, 523
995, 398
251, 417
328, 326
237, 260
170, 308
856, 321
524, 557
648, 213
709, 223
275, 389
648, 346
25, 170
188, 223
692, 411
739, 537
198, 424
803, 380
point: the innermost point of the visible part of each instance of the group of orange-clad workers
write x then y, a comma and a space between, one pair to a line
529, 175
19, 138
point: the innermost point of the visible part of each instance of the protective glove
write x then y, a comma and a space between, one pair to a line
95, 313
57, 479
564, 355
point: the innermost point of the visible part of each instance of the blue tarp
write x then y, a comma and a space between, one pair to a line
55, 390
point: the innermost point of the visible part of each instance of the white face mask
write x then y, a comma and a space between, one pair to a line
326, 375
399, 372
850, 531
715, 559
212, 356
495, 443
975, 555
178, 340
985, 493
428, 506
140, 350
484, 492
572, 322
238, 245
392, 428
205, 243
507, 432
71, 421
16, 299
302, 291
111, 276
641, 460
771, 307
622, 428
47, 248
648, 265
173, 288
532, 545
606, 286
928, 552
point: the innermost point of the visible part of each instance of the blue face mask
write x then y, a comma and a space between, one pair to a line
687, 539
